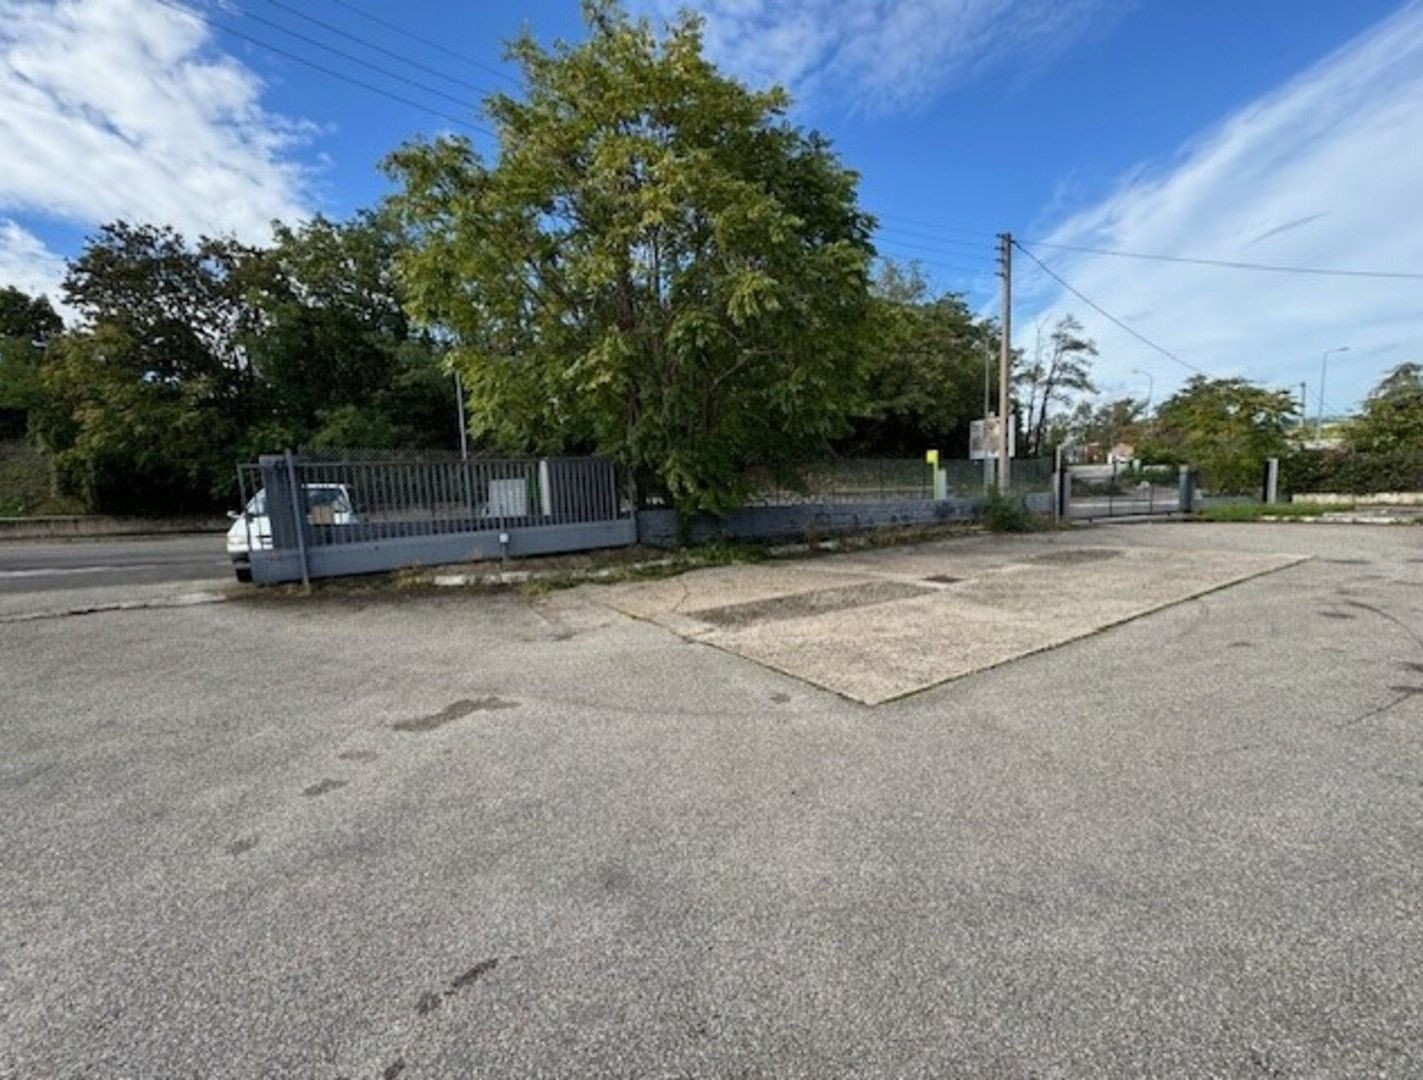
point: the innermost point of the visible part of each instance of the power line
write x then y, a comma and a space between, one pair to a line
426, 42
326, 70
966, 245
375, 47
982, 234
387, 72
961, 268
1233, 265
933, 250
1105, 313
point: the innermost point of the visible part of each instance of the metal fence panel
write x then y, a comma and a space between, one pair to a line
352, 515
1104, 491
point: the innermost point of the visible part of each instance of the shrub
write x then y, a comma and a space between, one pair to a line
1352, 472
1007, 514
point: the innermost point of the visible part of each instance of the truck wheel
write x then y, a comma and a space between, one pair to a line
244, 573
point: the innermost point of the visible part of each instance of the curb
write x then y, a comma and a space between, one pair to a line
181, 600
1341, 519
524, 577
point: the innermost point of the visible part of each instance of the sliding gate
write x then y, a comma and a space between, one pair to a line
314, 519
1108, 491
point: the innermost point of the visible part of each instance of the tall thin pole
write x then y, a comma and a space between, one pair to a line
1319, 420
1323, 370
1303, 406
1005, 247
464, 428
987, 361
987, 411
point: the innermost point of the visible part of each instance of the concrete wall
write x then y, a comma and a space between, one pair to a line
396, 553
660, 528
48, 528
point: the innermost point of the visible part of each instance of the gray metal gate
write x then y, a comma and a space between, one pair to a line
314, 519
1089, 492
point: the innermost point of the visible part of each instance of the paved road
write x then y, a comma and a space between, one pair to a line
457, 836
32, 566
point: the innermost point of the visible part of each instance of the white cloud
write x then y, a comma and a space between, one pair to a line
26, 264
1323, 172
124, 108
884, 55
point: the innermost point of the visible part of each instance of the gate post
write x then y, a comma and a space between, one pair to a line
1272, 481
286, 507
299, 510
1062, 486
1186, 490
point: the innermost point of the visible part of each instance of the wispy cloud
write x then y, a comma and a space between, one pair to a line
25, 262
1320, 173
125, 108
885, 55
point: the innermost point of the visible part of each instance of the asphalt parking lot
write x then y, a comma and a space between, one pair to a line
384, 835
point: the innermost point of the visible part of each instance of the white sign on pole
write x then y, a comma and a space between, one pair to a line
983, 438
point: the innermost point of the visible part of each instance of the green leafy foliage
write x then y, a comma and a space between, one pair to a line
1225, 427
1099, 426
1353, 472
27, 482
658, 266
921, 377
1007, 514
27, 324
1060, 367
190, 356
1392, 417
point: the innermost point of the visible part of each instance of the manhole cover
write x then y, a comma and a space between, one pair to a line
943, 579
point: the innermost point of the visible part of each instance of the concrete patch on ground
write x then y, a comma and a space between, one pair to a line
877, 625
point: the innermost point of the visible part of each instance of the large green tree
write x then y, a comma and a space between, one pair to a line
335, 357
922, 374
1102, 425
191, 355
1392, 417
656, 265
149, 394
1225, 427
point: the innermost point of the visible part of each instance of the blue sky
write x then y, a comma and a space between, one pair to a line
1273, 131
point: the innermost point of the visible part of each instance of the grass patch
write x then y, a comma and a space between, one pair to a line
1257, 511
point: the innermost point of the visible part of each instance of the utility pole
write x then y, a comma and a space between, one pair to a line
1005, 355
1303, 407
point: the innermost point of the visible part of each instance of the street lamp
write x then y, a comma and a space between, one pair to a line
1323, 370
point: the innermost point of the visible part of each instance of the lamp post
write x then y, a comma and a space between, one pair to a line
1324, 370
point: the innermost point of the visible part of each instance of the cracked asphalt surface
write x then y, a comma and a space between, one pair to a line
477, 835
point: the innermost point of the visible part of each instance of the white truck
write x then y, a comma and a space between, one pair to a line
327, 504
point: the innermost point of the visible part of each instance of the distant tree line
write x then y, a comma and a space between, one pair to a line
655, 265
658, 266
187, 356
